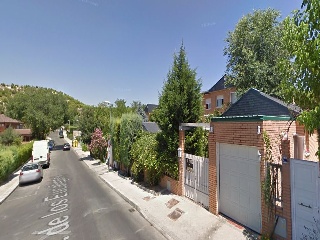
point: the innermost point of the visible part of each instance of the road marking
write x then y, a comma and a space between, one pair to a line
54, 213
58, 205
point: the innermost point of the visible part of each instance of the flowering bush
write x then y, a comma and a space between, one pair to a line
98, 145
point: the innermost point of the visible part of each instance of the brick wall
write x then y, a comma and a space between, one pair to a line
240, 133
213, 189
313, 146
174, 184
245, 133
286, 187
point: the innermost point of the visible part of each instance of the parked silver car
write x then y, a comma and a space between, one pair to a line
30, 172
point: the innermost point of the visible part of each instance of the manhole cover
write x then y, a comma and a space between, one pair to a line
175, 214
172, 202
131, 210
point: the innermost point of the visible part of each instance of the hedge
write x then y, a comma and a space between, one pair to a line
13, 157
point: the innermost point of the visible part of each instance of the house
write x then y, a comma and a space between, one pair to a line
25, 133
238, 165
148, 109
6, 122
219, 97
255, 137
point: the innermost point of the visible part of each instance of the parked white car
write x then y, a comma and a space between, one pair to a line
30, 172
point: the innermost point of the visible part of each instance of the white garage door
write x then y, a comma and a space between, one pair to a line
240, 192
305, 199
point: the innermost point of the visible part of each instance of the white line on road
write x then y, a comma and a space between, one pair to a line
55, 213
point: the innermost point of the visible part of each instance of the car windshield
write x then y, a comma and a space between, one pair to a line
30, 167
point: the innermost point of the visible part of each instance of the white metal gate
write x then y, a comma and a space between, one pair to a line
196, 179
305, 184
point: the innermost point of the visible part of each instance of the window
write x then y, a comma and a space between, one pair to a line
233, 97
208, 103
219, 101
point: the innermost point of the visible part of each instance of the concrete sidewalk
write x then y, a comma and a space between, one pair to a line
174, 216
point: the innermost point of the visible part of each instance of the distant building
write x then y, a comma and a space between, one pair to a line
219, 97
6, 122
149, 108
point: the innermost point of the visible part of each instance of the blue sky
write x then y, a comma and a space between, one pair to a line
98, 50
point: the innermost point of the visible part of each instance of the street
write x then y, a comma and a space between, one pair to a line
70, 203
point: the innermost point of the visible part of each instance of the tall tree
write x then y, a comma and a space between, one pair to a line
119, 108
40, 109
180, 101
130, 126
302, 71
253, 50
87, 123
138, 108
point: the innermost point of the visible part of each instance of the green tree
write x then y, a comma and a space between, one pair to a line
130, 126
102, 116
10, 137
145, 157
138, 108
180, 101
115, 138
40, 109
119, 108
301, 73
87, 123
253, 51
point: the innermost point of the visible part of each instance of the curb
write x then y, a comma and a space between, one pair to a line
121, 195
9, 191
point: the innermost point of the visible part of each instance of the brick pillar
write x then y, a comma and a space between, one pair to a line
181, 162
213, 188
285, 210
286, 186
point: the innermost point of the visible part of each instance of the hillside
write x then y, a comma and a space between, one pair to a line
9, 91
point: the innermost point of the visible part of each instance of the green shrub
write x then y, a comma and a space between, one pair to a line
115, 138
145, 159
13, 157
84, 147
10, 137
130, 126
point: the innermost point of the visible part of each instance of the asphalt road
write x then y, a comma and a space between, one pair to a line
70, 203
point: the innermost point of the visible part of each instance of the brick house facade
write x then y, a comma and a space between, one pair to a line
243, 124
218, 98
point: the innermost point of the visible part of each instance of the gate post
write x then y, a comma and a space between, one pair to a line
286, 185
213, 174
181, 161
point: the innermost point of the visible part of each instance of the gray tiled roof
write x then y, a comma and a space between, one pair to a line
151, 127
220, 85
254, 102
